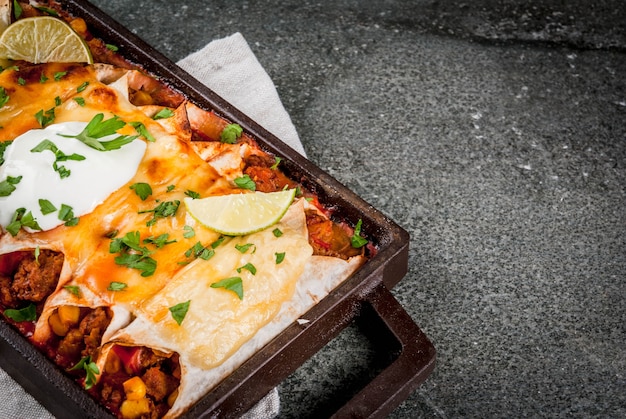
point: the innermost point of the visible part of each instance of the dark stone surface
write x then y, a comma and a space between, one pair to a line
495, 133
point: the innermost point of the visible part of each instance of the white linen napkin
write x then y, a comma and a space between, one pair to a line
229, 67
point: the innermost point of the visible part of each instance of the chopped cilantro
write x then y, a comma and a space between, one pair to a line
82, 87
357, 240
7, 186
159, 241
192, 194
230, 133
163, 114
45, 117
26, 314
47, 145
4, 97
243, 248
279, 257
233, 284
249, 267
98, 128
20, 219
143, 190
143, 131
277, 161
179, 311
188, 232
117, 286
245, 182
46, 207
91, 371
163, 210
73, 289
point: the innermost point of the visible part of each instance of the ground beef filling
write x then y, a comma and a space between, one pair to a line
76, 333
325, 236
138, 382
28, 278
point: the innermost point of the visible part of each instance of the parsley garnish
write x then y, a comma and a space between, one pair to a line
117, 286
45, 117
57, 101
112, 47
230, 133
20, 219
245, 182
243, 248
164, 209
233, 284
179, 311
163, 114
26, 314
357, 240
73, 289
3, 147
279, 257
47, 145
4, 97
132, 254
46, 207
188, 232
159, 241
199, 251
7, 186
217, 242
170, 188
98, 128
277, 232
82, 87
142, 130
91, 370
47, 10
66, 213
21, 81
43, 78
277, 161
143, 190
17, 9
80, 101
192, 194
249, 267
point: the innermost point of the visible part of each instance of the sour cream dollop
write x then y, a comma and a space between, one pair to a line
89, 183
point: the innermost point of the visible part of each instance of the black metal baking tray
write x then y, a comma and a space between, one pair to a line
365, 294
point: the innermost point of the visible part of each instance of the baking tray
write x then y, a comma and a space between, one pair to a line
365, 295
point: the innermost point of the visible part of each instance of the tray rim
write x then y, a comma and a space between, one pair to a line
393, 240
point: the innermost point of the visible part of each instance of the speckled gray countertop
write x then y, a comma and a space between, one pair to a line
495, 133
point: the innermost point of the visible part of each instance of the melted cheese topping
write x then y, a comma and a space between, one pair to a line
90, 181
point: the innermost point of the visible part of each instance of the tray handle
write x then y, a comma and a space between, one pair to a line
396, 382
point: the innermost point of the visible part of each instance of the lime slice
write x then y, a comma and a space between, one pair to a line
240, 214
43, 39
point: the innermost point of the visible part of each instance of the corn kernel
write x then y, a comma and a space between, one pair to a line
69, 315
172, 398
131, 409
58, 327
135, 388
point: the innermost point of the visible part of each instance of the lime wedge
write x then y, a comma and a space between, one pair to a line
240, 214
43, 39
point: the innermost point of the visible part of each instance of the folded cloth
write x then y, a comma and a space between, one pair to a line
229, 67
